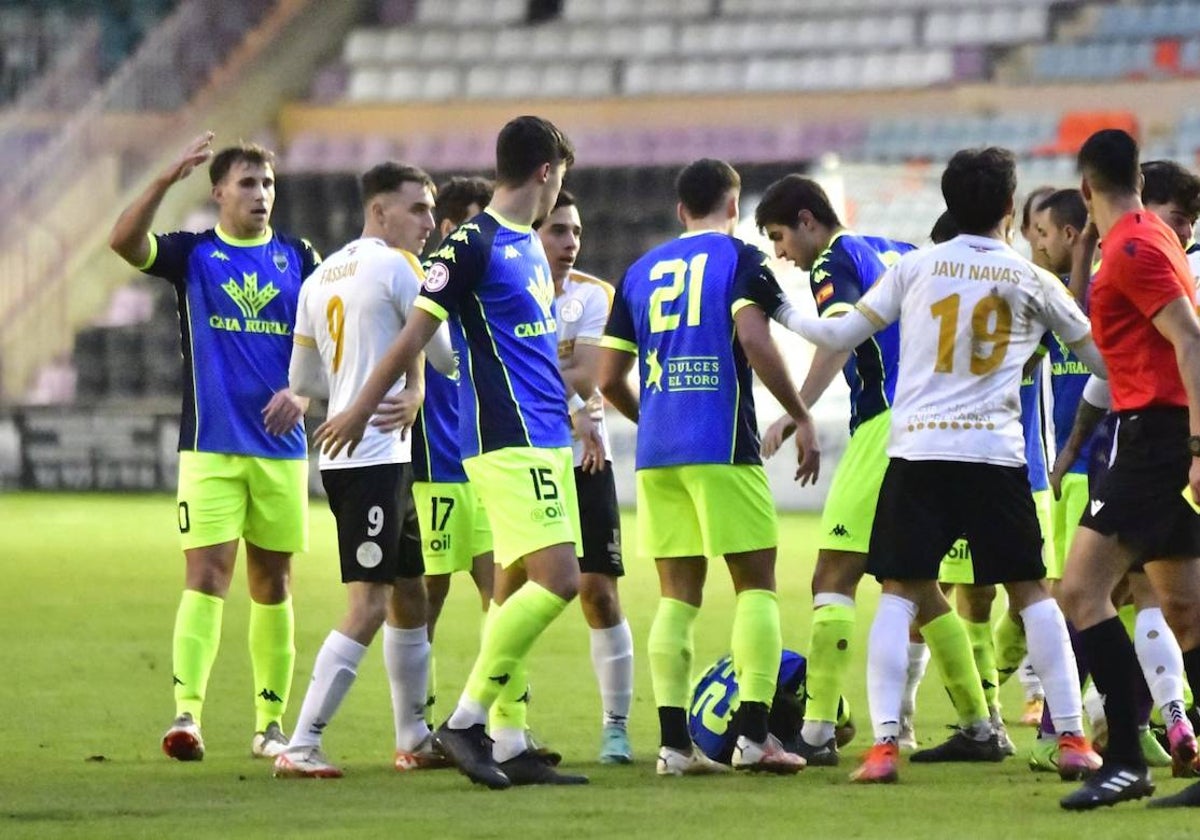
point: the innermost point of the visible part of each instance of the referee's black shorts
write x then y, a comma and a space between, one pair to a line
1140, 498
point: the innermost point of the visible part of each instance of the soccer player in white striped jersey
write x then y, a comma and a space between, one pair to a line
973, 312
583, 305
350, 311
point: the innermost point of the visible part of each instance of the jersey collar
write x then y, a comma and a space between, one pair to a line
508, 223
244, 243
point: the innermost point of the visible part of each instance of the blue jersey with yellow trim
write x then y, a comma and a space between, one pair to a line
435, 452
715, 699
842, 274
1068, 376
1031, 425
491, 280
237, 305
674, 309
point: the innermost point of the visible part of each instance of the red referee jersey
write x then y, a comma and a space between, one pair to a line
1144, 268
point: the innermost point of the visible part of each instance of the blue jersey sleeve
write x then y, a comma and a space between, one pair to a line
454, 269
754, 282
619, 333
169, 253
836, 282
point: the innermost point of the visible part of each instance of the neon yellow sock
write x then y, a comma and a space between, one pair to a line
951, 650
1128, 616
1010, 646
829, 658
671, 648
983, 649
273, 658
511, 709
508, 637
757, 645
194, 649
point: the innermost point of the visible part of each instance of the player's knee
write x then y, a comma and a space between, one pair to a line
1182, 613
600, 603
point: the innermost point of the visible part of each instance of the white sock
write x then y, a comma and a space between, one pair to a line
507, 743
918, 661
1093, 704
406, 657
887, 664
467, 713
1162, 662
1029, 679
1054, 661
333, 674
612, 660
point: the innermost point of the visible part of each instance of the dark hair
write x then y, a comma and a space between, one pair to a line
455, 197
1066, 208
1166, 182
782, 202
527, 143
251, 153
978, 186
1109, 161
565, 199
703, 184
944, 229
1035, 197
390, 176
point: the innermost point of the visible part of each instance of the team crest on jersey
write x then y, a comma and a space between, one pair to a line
571, 311
250, 299
437, 277
280, 261
542, 289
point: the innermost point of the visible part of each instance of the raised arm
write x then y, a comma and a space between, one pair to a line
129, 235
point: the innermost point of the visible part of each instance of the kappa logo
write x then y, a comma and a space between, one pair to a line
541, 287
839, 530
250, 299
510, 252
1096, 506
818, 276
220, 255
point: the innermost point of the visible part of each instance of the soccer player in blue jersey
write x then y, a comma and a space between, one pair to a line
243, 463
490, 279
692, 315
797, 216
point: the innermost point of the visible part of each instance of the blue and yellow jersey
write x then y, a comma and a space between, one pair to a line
435, 453
490, 278
674, 310
1031, 425
715, 699
237, 304
1068, 375
841, 275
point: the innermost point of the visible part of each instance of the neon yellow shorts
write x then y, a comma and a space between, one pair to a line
1067, 512
704, 510
529, 492
227, 497
956, 565
850, 506
454, 527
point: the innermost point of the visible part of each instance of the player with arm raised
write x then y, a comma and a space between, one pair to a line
243, 461
491, 280
692, 314
350, 311
972, 311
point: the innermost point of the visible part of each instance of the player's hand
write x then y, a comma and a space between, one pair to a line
808, 452
283, 412
341, 431
588, 431
1194, 480
195, 153
1062, 463
398, 411
776, 434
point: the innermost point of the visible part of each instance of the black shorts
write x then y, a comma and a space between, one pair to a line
600, 522
924, 506
1140, 499
378, 536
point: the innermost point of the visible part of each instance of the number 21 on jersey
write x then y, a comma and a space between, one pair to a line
684, 276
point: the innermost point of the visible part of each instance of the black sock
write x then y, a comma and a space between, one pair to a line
754, 721
672, 720
1191, 668
1115, 671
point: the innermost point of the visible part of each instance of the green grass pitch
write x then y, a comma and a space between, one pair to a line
90, 585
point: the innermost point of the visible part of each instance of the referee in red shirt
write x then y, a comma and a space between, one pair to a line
1144, 323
